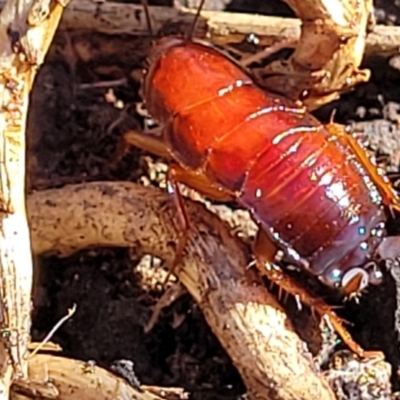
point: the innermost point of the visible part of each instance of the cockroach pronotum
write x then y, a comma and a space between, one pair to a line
313, 191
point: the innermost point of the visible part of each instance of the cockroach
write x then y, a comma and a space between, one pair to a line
312, 189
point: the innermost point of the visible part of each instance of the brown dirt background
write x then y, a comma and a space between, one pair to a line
73, 131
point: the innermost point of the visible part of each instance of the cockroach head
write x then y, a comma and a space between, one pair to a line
154, 57
161, 47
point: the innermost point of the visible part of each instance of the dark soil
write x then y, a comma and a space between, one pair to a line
73, 132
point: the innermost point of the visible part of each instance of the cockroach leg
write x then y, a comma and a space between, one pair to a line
276, 275
201, 184
152, 142
148, 140
390, 197
173, 189
120, 152
263, 54
176, 175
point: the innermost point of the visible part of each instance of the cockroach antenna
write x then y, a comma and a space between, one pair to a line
147, 15
196, 19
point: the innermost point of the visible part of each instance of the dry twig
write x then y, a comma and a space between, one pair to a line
333, 39
114, 18
22, 50
244, 316
59, 378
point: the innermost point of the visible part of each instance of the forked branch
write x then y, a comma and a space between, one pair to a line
243, 315
223, 28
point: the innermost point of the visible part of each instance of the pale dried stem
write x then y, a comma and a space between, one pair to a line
22, 49
243, 315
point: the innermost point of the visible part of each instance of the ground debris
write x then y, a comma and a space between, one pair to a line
355, 379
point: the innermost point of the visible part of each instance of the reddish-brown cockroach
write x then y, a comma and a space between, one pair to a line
312, 189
